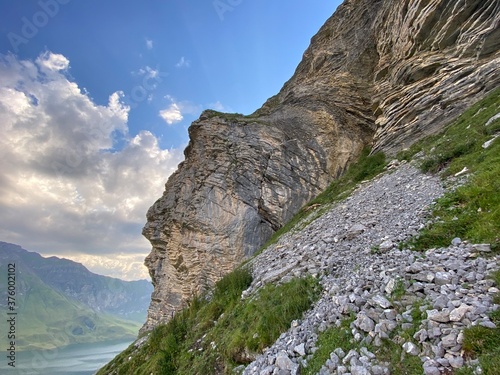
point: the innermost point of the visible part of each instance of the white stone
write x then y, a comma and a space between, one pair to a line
490, 121
382, 301
456, 362
482, 247
458, 314
411, 348
283, 362
442, 278
359, 370
300, 350
389, 288
386, 245
364, 323
442, 316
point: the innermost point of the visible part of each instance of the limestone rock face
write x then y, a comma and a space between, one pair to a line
383, 73
241, 180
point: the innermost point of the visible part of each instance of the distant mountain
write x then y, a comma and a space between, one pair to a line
60, 302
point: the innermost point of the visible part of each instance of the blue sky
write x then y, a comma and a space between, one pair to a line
96, 98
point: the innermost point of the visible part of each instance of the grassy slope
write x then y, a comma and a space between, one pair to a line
47, 319
243, 328
213, 337
472, 211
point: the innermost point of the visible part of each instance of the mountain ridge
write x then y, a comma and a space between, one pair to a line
100, 293
60, 302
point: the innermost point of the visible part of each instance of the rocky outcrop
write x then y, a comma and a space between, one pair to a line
239, 183
381, 73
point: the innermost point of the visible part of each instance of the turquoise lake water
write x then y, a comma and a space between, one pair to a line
78, 359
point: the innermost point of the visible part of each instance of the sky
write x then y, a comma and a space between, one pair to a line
96, 98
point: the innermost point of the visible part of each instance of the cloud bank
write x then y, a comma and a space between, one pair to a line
66, 188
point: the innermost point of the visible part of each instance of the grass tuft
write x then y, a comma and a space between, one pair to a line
328, 341
484, 343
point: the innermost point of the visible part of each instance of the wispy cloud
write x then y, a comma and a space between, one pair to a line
148, 72
183, 63
123, 266
218, 106
149, 43
64, 188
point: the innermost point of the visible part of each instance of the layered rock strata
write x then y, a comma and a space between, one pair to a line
381, 73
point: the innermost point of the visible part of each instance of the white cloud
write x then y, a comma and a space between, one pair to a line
149, 72
62, 191
149, 44
176, 110
172, 114
53, 61
183, 63
123, 266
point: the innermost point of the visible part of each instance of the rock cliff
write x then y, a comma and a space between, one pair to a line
382, 73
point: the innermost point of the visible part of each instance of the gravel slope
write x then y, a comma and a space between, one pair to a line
353, 250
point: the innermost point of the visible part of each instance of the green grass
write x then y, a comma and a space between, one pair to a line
328, 341
401, 363
210, 113
214, 336
399, 290
484, 343
367, 167
472, 211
